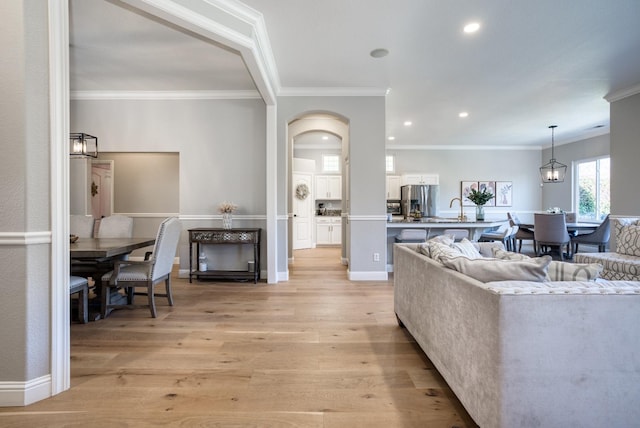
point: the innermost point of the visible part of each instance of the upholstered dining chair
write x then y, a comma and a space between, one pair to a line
81, 225
524, 233
132, 274
505, 233
80, 285
550, 231
599, 237
115, 226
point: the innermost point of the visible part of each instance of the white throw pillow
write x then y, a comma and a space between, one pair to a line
563, 271
439, 250
466, 248
487, 270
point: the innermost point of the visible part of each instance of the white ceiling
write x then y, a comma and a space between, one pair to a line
532, 64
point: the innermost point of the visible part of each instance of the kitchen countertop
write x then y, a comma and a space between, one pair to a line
442, 223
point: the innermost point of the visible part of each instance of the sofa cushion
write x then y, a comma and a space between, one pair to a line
487, 270
628, 240
559, 271
563, 271
502, 254
616, 266
599, 286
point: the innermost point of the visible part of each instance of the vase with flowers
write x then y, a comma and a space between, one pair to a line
480, 198
227, 209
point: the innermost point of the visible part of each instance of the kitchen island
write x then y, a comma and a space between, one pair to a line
435, 226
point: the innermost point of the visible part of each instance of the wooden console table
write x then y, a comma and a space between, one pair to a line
224, 237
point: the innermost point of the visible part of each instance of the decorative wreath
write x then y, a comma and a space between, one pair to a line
302, 191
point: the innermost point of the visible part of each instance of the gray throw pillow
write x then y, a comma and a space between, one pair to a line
487, 270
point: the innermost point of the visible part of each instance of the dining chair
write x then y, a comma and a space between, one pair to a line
81, 225
129, 275
80, 285
505, 233
524, 233
550, 232
115, 226
599, 237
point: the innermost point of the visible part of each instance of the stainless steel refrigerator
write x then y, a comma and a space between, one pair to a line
419, 200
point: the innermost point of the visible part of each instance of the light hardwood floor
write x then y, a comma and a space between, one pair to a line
315, 351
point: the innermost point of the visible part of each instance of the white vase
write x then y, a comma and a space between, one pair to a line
227, 220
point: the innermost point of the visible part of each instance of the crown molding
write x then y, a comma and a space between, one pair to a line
165, 95
623, 93
332, 92
465, 148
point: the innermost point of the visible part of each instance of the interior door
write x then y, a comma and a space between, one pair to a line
302, 211
101, 188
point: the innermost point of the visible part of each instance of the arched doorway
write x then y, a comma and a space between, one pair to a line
317, 134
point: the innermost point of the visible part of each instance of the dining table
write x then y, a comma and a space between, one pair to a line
93, 257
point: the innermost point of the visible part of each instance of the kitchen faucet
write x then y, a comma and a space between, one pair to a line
461, 217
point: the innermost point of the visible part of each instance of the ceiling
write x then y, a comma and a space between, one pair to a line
532, 64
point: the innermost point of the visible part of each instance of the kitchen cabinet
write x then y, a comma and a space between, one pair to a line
328, 230
393, 186
328, 187
420, 178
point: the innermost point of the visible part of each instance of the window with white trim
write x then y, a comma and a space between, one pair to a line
390, 163
331, 163
592, 187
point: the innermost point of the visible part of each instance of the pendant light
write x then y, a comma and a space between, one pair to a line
83, 145
553, 172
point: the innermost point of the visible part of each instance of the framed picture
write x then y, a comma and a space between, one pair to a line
465, 189
489, 186
504, 193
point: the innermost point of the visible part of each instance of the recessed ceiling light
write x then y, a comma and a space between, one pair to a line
391, 138
471, 27
463, 114
379, 53
324, 137
408, 123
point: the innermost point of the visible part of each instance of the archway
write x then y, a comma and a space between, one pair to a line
336, 128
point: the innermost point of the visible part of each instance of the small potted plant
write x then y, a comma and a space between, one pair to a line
480, 198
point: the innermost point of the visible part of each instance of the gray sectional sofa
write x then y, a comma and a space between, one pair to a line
624, 262
524, 353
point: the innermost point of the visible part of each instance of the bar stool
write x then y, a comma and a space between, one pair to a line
412, 235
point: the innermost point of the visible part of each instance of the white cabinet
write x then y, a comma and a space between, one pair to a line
328, 187
328, 230
419, 178
393, 186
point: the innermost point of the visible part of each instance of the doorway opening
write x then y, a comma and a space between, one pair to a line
318, 184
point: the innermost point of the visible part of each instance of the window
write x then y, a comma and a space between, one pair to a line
390, 163
592, 189
330, 163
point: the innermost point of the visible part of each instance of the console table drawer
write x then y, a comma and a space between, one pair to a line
224, 236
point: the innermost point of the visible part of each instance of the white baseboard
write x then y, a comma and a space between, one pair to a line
283, 276
368, 276
25, 393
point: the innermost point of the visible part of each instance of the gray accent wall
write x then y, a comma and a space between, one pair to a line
25, 229
221, 148
625, 156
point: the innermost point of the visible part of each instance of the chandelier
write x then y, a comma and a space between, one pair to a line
553, 171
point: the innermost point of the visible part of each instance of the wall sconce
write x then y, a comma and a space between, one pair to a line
553, 171
83, 145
